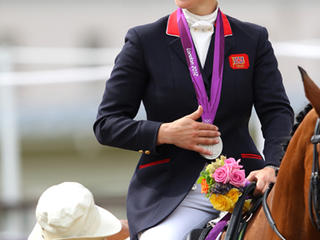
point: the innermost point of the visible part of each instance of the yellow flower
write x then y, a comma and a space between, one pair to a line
210, 168
234, 195
219, 162
247, 205
221, 202
222, 158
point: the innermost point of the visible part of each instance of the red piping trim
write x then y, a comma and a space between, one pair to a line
249, 155
173, 29
155, 163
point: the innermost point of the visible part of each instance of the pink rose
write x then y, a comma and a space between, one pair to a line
237, 178
222, 174
232, 163
229, 161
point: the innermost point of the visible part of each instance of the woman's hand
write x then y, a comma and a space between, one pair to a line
187, 133
263, 177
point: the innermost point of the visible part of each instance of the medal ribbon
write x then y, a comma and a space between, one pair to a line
209, 107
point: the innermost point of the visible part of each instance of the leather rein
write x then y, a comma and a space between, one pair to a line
236, 217
268, 213
314, 189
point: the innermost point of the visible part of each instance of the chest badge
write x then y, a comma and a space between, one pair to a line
239, 61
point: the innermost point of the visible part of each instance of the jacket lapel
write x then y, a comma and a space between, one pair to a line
176, 46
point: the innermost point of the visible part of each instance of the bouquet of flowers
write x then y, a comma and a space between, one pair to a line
223, 181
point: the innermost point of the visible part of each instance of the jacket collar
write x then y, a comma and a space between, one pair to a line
173, 30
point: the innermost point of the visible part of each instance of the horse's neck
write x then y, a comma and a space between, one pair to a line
288, 200
290, 204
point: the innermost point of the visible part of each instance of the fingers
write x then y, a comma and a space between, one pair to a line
262, 178
204, 126
207, 141
196, 146
260, 187
201, 150
259, 183
252, 176
208, 133
188, 133
196, 114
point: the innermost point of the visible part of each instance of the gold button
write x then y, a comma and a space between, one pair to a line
147, 152
140, 151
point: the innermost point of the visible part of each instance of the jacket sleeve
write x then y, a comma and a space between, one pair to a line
270, 101
123, 93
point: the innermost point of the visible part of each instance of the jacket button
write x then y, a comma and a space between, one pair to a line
147, 152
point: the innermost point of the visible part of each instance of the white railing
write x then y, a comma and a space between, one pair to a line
70, 75
304, 49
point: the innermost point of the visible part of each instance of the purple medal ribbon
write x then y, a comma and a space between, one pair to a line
218, 228
209, 107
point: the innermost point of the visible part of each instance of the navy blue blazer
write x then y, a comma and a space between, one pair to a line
152, 68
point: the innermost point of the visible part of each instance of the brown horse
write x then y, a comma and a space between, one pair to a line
288, 200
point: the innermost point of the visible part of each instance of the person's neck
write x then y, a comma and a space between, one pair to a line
204, 9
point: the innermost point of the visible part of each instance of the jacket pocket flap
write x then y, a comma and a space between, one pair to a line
166, 160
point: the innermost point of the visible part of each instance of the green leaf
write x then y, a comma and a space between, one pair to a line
200, 179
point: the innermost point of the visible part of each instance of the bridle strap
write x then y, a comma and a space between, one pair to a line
314, 189
268, 213
232, 233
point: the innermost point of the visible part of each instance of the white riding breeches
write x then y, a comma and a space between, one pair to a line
193, 212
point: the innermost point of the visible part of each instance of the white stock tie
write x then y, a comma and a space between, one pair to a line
202, 26
201, 32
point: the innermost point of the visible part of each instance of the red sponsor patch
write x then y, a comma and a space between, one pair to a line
239, 61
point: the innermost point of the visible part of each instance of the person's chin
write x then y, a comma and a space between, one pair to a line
183, 4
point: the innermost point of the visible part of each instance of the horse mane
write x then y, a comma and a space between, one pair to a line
299, 118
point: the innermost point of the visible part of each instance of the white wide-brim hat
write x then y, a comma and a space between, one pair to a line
68, 211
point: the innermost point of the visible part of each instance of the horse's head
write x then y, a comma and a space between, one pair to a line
313, 94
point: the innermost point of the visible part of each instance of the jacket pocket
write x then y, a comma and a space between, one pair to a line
154, 173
